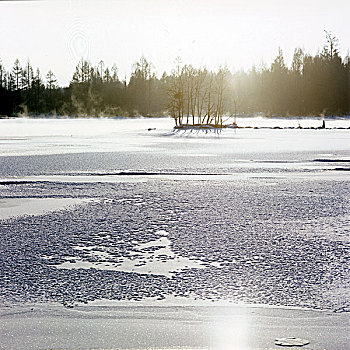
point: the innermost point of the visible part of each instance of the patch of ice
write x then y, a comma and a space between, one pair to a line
291, 341
154, 257
11, 207
162, 232
161, 242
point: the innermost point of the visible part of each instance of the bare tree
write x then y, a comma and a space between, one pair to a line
175, 93
330, 49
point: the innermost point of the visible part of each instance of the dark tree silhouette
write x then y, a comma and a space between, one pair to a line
312, 85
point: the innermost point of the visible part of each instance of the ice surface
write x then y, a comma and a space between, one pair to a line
158, 260
258, 216
10, 207
24, 136
130, 325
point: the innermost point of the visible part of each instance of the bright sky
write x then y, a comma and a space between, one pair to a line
56, 34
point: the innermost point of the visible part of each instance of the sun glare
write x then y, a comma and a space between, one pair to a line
230, 332
203, 33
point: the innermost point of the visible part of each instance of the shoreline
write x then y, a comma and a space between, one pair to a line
243, 116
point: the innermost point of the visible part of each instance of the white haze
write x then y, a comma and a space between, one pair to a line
56, 34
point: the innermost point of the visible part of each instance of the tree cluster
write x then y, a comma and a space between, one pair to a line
312, 85
198, 96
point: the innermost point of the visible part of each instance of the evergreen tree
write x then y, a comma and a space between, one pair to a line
317, 85
17, 75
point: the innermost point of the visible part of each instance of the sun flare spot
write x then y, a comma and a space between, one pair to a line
230, 332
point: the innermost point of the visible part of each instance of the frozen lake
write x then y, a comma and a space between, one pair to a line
105, 209
106, 212
109, 146
29, 136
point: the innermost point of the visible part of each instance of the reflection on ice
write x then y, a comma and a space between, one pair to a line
230, 333
154, 257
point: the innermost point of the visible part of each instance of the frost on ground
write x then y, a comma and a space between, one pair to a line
280, 243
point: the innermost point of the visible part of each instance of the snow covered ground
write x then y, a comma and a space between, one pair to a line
31, 136
106, 210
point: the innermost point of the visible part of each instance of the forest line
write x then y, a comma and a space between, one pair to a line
312, 85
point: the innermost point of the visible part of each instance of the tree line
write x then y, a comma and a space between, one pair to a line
312, 85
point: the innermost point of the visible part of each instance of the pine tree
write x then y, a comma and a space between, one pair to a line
17, 74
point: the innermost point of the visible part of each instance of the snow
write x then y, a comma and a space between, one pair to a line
30, 136
121, 213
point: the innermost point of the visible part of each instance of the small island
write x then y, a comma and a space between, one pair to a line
205, 126
198, 98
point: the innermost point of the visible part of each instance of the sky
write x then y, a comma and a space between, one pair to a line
238, 33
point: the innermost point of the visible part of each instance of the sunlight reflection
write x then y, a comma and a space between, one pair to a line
230, 333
